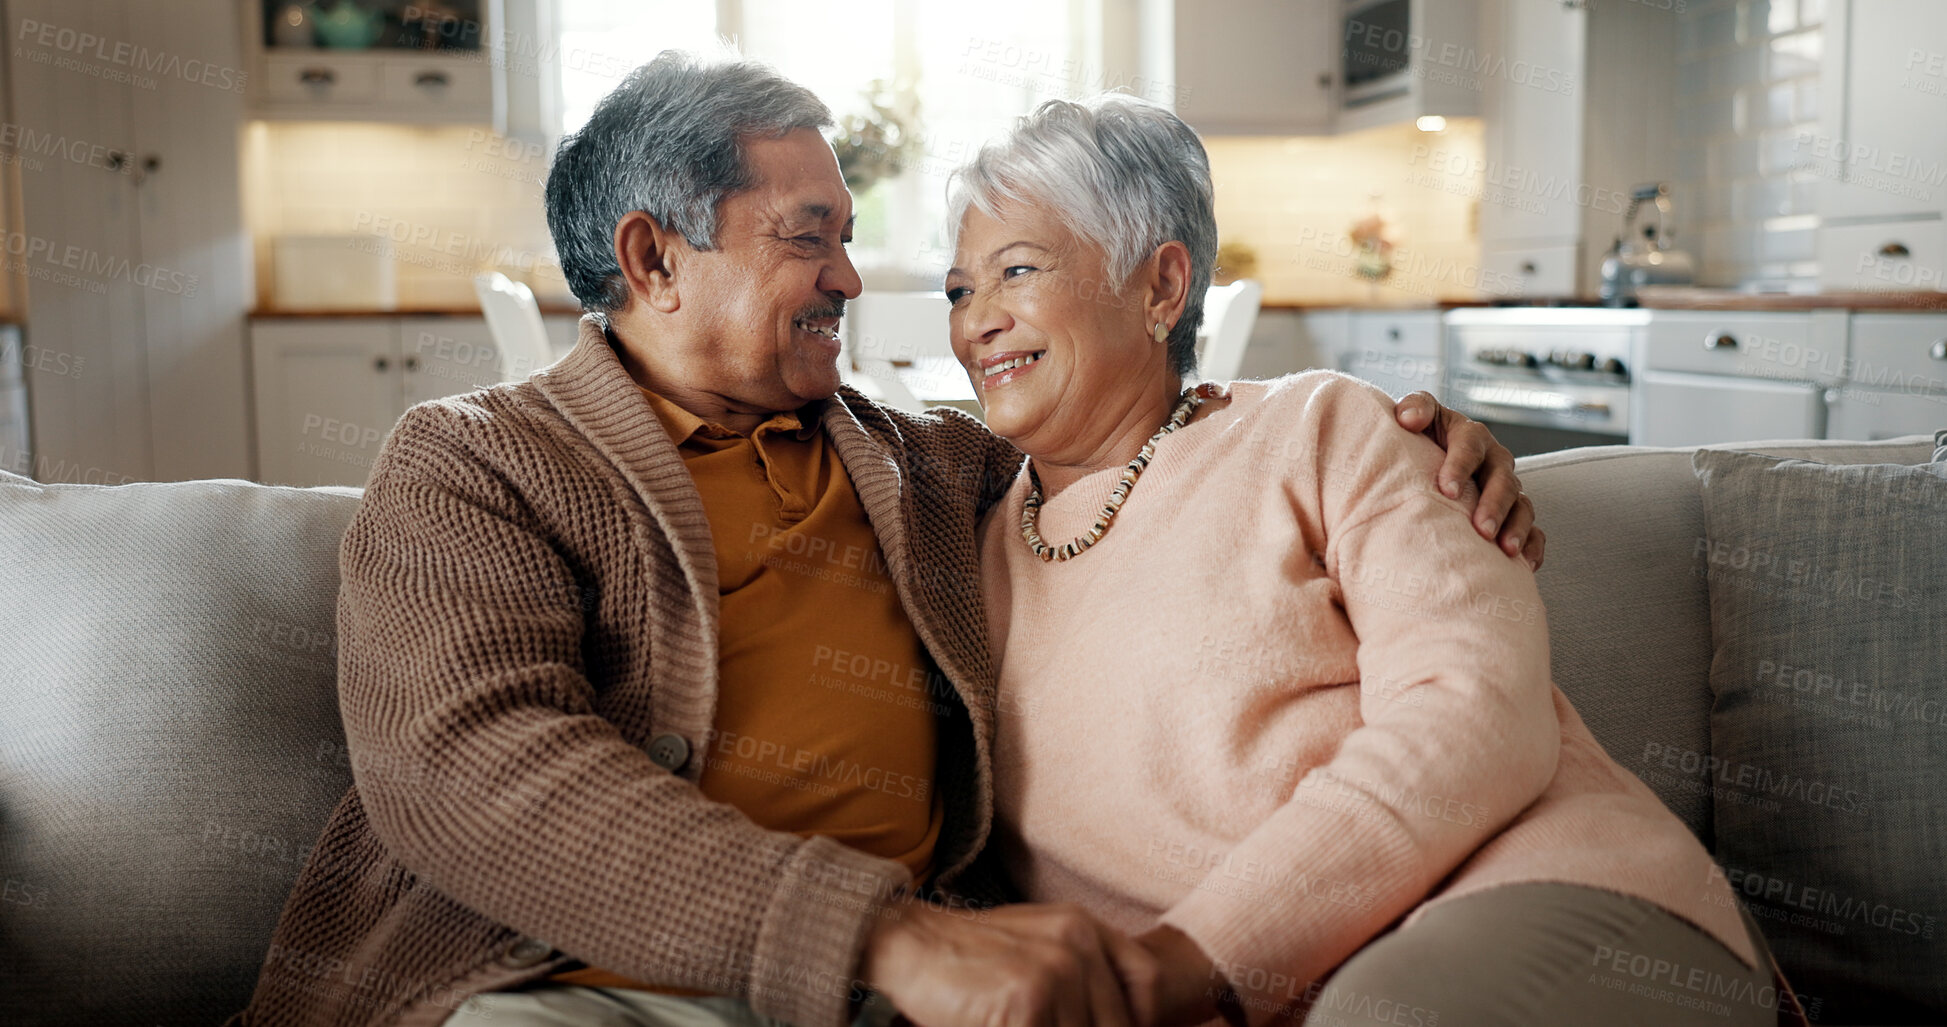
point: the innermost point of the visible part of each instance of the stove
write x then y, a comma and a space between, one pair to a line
1543, 378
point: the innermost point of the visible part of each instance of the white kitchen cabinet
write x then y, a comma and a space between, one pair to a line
15, 454
503, 84
1531, 130
1327, 334
1564, 92
1880, 151
1670, 408
328, 389
442, 356
1883, 122
1794, 346
132, 244
1399, 351
1883, 255
1734, 376
1867, 415
1257, 67
1896, 381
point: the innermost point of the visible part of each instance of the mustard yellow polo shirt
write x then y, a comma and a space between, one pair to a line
826, 703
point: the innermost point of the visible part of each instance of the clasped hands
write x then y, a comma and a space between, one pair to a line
1036, 965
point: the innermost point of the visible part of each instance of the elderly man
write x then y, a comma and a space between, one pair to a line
664, 672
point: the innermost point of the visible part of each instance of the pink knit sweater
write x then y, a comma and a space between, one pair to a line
1292, 696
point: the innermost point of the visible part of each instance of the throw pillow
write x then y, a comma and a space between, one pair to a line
1829, 722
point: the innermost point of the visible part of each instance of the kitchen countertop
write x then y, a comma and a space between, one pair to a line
1682, 297
547, 310
1675, 297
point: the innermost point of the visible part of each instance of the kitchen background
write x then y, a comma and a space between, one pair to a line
241, 236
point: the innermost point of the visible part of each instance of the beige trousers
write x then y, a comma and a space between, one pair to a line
1516, 955
1552, 954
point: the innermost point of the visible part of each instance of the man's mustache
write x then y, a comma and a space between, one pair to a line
833, 309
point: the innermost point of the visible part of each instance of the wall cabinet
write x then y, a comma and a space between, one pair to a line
329, 389
1880, 152
422, 88
503, 84
132, 242
1564, 97
1257, 67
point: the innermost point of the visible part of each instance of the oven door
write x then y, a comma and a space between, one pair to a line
1377, 51
1536, 415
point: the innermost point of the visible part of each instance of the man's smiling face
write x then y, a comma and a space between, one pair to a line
765, 303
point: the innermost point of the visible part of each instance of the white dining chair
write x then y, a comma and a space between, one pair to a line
1229, 312
514, 319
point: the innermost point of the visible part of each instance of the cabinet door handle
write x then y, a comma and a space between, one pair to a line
1895, 249
1528, 267
1720, 340
431, 79
1939, 350
381, 364
117, 161
317, 76
1393, 334
412, 363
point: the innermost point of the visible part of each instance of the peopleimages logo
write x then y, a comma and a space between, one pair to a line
123, 54
1370, 43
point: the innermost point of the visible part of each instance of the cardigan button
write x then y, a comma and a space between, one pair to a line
670, 751
527, 952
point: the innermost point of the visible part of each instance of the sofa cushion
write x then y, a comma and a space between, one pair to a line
169, 739
1829, 724
1628, 617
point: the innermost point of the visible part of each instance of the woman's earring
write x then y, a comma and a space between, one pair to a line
1161, 332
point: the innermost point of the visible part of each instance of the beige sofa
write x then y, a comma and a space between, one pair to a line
170, 743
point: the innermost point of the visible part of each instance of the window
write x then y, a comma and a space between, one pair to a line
962, 80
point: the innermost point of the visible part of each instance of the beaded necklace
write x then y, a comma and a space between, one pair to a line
1031, 510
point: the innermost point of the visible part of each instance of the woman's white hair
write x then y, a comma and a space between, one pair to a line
1121, 172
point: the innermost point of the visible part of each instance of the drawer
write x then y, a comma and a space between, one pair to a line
1700, 410
1867, 415
1413, 334
438, 89
320, 78
1900, 352
1770, 346
1896, 255
1528, 271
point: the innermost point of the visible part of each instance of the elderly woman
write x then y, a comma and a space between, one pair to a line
1292, 716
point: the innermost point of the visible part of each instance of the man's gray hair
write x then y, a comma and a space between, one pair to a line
669, 141
1120, 172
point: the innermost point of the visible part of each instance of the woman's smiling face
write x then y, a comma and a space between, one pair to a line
1057, 352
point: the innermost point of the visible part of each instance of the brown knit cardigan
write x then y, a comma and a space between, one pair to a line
528, 610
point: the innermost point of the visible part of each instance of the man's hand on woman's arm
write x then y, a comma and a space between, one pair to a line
1504, 514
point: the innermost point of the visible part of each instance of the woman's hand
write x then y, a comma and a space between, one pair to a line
1504, 514
1029, 965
